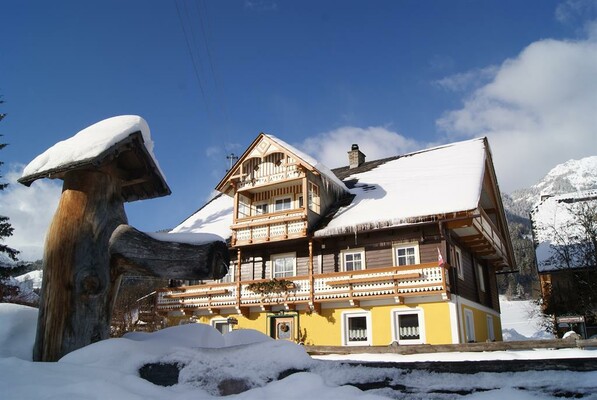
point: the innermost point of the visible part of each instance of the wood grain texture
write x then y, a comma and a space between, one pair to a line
75, 304
135, 251
88, 248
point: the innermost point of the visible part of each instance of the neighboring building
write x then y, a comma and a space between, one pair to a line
565, 236
403, 249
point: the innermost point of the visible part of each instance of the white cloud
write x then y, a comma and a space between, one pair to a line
30, 210
539, 110
467, 80
331, 148
570, 11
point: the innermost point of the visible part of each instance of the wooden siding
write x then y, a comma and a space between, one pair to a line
378, 247
469, 287
257, 261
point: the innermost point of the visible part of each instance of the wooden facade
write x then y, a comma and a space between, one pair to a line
280, 200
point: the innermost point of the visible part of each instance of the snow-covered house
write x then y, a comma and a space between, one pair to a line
402, 249
565, 236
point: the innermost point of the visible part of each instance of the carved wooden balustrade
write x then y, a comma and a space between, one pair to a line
394, 282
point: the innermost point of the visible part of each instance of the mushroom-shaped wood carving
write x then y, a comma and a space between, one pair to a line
89, 246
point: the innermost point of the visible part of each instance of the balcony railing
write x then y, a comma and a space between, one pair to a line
250, 181
486, 227
311, 291
275, 226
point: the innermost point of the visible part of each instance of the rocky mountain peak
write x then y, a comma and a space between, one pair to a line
571, 176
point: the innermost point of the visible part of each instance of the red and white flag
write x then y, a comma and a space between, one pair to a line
440, 259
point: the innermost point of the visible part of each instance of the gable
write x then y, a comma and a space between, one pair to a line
271, 153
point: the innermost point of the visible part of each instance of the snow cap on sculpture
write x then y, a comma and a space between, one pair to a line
122, 143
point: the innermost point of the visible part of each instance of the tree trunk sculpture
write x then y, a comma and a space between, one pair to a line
88, 248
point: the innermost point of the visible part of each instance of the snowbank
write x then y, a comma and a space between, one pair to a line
108, 369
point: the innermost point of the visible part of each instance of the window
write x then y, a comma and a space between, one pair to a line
314, 200
490, 332
260, 208
469, 325
406, 254
353, 260
221, 325
409, 327
458, 262
283, 265
356, 329
283, 204
481, 277
243, 209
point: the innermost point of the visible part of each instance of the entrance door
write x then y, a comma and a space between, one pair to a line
282, 328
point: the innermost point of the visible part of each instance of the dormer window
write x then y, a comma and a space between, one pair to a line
282, 204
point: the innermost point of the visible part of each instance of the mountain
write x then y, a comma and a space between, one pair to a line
571, 176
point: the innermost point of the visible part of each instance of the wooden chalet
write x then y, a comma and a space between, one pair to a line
402, 249
566, 254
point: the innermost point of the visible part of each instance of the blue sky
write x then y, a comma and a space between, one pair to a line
208, 76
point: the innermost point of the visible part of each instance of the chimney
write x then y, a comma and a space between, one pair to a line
355, 157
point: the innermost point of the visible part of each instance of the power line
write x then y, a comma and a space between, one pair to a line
191, 54
207, 39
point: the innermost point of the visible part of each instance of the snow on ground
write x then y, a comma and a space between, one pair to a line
108, 369
521, 320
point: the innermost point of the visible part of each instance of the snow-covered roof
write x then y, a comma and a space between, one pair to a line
555, 224
437, 181
213, 218
94, 144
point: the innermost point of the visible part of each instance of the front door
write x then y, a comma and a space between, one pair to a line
282, 328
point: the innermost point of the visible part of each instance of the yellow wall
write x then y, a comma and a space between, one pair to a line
480, 319
325, 329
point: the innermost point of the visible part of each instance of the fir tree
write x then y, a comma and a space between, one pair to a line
5, 228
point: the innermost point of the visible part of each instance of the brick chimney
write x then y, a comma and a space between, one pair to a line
355, 157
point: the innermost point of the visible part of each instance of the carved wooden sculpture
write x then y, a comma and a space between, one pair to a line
89, 246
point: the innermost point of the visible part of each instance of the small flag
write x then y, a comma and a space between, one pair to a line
440, 259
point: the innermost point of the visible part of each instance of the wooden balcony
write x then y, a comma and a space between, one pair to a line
250, 181
269, 227
481, 235
310, 292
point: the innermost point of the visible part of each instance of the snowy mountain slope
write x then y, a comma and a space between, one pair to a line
571, 176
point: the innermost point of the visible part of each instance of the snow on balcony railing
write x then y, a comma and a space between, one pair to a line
412, 280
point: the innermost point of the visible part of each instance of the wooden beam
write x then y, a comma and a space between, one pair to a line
314, 307
135, 251
197, 294
354, 303
244, 311
78, 288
